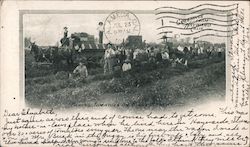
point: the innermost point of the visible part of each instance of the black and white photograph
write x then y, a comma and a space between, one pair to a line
127, 58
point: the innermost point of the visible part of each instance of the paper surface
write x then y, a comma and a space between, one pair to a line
124, 73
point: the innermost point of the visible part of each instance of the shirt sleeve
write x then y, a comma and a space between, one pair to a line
76, 69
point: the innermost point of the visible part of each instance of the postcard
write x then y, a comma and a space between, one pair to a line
124, 73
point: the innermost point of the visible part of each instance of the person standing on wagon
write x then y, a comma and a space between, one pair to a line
101, 30
65, 41
65, 33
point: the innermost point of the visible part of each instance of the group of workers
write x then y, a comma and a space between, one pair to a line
119, 58
124, 59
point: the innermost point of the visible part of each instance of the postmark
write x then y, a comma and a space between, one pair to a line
120, 24
199, 21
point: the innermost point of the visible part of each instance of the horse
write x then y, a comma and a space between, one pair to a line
41, 54
64, 41
63, 53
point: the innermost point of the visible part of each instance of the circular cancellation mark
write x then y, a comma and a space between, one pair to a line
120, 24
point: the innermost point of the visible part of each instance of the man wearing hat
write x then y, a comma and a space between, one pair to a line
81, 71
109, 59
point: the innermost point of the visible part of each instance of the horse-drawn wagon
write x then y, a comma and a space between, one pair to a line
73, 49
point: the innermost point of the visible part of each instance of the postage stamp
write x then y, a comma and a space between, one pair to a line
119, 24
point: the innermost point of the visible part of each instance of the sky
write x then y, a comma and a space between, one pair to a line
47, 29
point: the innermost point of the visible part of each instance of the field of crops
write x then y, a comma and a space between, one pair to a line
151, 87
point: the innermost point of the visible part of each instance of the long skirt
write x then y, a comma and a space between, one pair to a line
100, 37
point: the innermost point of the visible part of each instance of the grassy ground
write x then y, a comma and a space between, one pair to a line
153, 87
